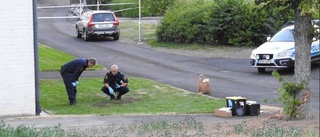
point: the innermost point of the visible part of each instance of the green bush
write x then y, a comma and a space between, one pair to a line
289, 96
155, 7
222, 22
184, 22
25, 131
229, 22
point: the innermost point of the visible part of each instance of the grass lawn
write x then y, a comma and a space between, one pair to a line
130, 30
51, 59
145, 96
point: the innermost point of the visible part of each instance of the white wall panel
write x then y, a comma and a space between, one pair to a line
17, 78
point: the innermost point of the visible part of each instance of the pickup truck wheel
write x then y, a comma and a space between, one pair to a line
261, 70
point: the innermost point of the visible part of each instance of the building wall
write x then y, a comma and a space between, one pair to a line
17, 74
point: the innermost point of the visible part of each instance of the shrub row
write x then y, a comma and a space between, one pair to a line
220, 22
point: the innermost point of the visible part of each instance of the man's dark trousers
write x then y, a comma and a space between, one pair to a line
72, 91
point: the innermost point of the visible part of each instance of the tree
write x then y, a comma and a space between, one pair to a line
303, 34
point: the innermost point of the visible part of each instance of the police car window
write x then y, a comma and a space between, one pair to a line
285, 35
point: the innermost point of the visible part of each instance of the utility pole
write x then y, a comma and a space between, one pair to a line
140, 23
80, 8
98, 4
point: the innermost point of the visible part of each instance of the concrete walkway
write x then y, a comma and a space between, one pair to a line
85, 121
89, 121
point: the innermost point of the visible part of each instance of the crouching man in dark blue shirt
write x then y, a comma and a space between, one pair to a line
115, 83
71, 72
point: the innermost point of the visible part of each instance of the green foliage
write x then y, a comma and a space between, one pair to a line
184, 22
289, 91
24, 131
306, 7
52, 59
155, 8
188, 127
228, 25
222, 22
148, 7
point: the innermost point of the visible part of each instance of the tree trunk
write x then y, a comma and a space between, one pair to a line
302, 70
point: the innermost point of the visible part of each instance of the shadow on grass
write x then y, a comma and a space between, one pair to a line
109, 103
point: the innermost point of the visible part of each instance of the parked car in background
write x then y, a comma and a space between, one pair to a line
98, 24
279, 51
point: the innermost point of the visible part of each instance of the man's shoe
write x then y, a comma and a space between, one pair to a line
112, 97
118, 97
73, 102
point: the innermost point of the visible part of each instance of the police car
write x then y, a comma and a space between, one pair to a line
279, 52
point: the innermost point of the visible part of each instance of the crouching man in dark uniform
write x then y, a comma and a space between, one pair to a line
71, 72
115, 82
